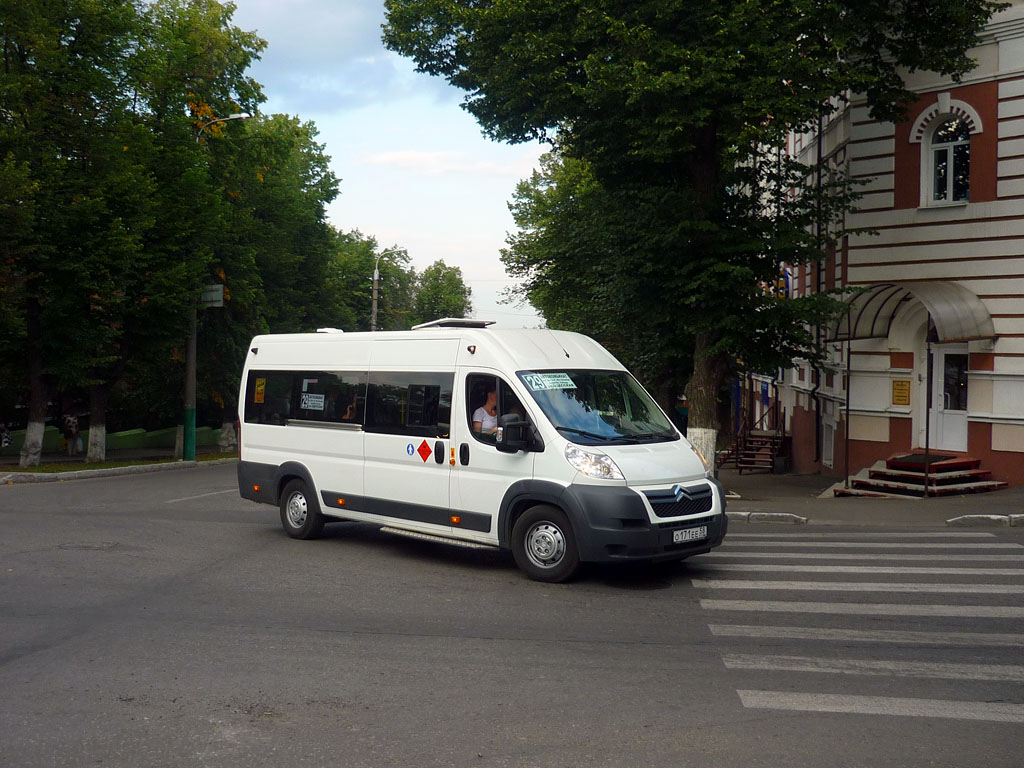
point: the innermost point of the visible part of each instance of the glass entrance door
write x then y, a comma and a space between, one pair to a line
949, 409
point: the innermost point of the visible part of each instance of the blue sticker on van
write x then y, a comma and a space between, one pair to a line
410, 449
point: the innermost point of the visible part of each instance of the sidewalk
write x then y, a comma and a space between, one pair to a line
163, 458
801, 495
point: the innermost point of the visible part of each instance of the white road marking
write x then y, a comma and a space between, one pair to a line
868, 609
999, 672
731, 555
869, 636
863, 586
880, 705
878, 545
886, 535
894, 570
201, 495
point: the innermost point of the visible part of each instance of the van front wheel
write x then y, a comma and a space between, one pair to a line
300, 514
544, 545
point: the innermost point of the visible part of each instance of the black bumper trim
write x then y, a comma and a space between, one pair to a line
615, 527
398, 510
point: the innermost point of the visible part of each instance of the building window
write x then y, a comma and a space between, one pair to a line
951, 162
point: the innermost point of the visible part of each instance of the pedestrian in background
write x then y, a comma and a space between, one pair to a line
71, 434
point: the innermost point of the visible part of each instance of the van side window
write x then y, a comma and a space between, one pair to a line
268, 397
275, 397
482, 421
410, 404
332, 397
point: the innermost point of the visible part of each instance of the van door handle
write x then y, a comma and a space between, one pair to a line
439, 452
464, 454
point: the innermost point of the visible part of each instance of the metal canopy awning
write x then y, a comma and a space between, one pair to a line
957, 313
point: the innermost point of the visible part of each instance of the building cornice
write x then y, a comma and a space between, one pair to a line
948, 84
1002, 29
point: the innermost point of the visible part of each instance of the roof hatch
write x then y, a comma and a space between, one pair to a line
454, 322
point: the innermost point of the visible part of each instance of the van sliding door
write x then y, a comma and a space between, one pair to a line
407, 444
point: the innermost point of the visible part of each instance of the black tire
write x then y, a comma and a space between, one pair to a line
544, 545
300, 513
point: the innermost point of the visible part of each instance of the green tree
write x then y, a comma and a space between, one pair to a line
352, 276
273, 252
62, 136
191, 70
17, 195
187, 66
573, 249
441, 292
110, 197
674, 104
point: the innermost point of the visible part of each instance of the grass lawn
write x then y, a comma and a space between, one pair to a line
77, 466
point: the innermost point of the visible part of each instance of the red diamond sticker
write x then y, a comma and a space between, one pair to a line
424, 451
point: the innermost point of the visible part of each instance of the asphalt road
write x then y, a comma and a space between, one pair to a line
159, 620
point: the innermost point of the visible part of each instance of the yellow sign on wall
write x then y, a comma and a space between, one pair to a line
901, 392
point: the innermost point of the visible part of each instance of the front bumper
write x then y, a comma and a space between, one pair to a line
613, 525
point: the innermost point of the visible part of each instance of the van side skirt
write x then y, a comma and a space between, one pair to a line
418, 513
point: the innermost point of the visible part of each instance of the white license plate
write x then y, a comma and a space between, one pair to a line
690, 534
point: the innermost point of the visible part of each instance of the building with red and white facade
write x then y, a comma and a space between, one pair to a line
942, 270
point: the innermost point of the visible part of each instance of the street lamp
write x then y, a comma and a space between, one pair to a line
376, 281
229, 118
188, 441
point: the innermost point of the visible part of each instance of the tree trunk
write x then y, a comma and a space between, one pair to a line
708, 377
708, 370
228, 441
99, 394
32, 450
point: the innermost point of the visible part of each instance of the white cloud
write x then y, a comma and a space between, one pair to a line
327, 55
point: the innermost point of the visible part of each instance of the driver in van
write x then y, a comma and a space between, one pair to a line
485, 418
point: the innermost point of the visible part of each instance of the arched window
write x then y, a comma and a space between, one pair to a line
951, 162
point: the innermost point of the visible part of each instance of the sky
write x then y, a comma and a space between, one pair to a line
416, 172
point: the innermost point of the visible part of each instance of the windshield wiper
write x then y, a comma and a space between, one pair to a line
644, 437
584, 433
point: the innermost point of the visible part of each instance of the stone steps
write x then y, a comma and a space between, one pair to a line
902, 476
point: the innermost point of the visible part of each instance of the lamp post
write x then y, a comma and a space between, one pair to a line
376, 281
188, 441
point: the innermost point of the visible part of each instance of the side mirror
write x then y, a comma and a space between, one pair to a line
513, 437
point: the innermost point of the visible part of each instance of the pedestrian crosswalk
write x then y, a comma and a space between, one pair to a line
921, 624
882, 705
862, 586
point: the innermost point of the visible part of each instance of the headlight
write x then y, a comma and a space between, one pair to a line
592, 464
708, 471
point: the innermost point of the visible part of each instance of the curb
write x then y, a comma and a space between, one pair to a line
18, 478
768, 517
978, 521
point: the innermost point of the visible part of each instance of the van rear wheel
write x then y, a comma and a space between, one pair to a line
300, 514
544, 545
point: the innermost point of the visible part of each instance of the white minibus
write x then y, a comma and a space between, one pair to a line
531, 440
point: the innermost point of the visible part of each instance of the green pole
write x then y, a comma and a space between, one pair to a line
188, 448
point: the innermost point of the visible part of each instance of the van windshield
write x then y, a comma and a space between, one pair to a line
598, 407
